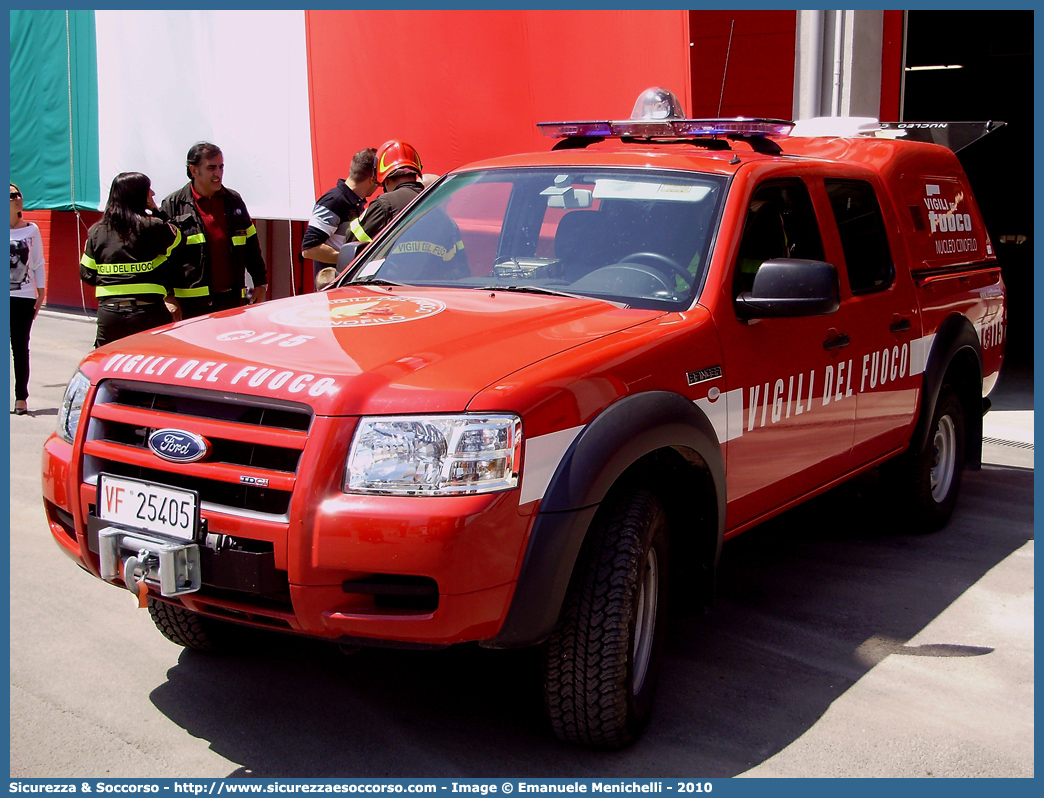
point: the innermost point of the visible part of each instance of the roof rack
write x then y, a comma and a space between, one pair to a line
952, 135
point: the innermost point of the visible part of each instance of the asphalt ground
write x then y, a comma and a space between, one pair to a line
839, 646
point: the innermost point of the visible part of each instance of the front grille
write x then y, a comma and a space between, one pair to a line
255, 443
225, 494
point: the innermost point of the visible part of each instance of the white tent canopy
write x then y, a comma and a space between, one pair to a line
167, 79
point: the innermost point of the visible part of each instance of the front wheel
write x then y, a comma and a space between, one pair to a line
601, 663
927, 483
188, 628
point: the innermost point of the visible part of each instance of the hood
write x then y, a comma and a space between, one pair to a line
366, 349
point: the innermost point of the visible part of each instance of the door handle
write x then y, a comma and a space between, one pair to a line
900, 325
836, 343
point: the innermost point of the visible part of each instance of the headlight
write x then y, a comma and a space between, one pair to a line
434, 455
72, 405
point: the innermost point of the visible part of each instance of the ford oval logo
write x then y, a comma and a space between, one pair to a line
178, 446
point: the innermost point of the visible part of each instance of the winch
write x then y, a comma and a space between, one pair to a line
175, 566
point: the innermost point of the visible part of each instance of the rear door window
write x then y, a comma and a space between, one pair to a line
863, 239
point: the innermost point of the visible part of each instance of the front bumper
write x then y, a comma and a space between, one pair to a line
420, 570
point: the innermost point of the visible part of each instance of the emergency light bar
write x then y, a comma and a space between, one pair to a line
658, 114
668, 128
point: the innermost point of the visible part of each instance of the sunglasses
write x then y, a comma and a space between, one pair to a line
15, 195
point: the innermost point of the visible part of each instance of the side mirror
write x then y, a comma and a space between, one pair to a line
789, 287
347, 254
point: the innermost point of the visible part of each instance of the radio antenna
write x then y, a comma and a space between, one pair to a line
732, 27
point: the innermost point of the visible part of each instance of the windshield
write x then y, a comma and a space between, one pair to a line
636, 237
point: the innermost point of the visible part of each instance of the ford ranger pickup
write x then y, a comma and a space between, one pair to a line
553, 382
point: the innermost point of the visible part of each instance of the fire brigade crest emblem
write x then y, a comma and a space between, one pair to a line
359, 311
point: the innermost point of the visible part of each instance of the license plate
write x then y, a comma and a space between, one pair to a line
170, 512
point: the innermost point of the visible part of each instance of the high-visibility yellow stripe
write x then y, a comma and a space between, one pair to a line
191, 293
103, 291
131, 268
177, 240
357, 229
198, 238
238, 241
406, 247
428, 247
126, 268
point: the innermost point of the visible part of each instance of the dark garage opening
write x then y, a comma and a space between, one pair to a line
988, 75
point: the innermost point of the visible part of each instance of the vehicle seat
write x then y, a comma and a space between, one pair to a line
764, 239
580, 243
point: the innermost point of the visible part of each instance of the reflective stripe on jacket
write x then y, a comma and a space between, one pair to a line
195, 255
143, 264
383, 209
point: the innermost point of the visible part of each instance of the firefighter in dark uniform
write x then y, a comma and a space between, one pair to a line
432, 246
131, 260
220, 238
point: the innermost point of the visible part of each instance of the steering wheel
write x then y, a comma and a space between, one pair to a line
660, 260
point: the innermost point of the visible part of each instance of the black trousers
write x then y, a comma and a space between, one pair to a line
223, 300
116, 322
22, 313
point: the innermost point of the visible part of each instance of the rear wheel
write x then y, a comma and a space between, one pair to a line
602, 663
927, 483
188, 628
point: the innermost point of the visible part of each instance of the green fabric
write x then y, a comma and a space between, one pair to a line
53, 58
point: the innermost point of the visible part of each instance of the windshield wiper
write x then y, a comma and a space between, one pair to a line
373, 281
538, 289
529, 289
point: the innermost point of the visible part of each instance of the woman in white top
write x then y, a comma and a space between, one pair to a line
28, 278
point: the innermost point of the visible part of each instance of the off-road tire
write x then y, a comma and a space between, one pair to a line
926, 484
591, 692
187, 628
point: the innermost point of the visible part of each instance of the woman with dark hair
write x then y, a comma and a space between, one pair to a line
28, 277
128, 258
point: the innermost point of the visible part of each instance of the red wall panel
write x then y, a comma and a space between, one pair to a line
759, 80
891, 65
477, 82
62, 250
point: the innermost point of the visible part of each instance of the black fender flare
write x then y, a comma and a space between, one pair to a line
616, 439
955, 335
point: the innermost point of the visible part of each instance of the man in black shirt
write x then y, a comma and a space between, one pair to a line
334, 211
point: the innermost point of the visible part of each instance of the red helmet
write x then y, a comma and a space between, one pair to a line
395, 155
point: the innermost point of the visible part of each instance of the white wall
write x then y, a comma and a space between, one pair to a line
838, 63
167, 79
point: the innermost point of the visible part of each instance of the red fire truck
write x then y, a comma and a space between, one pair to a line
556, 382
